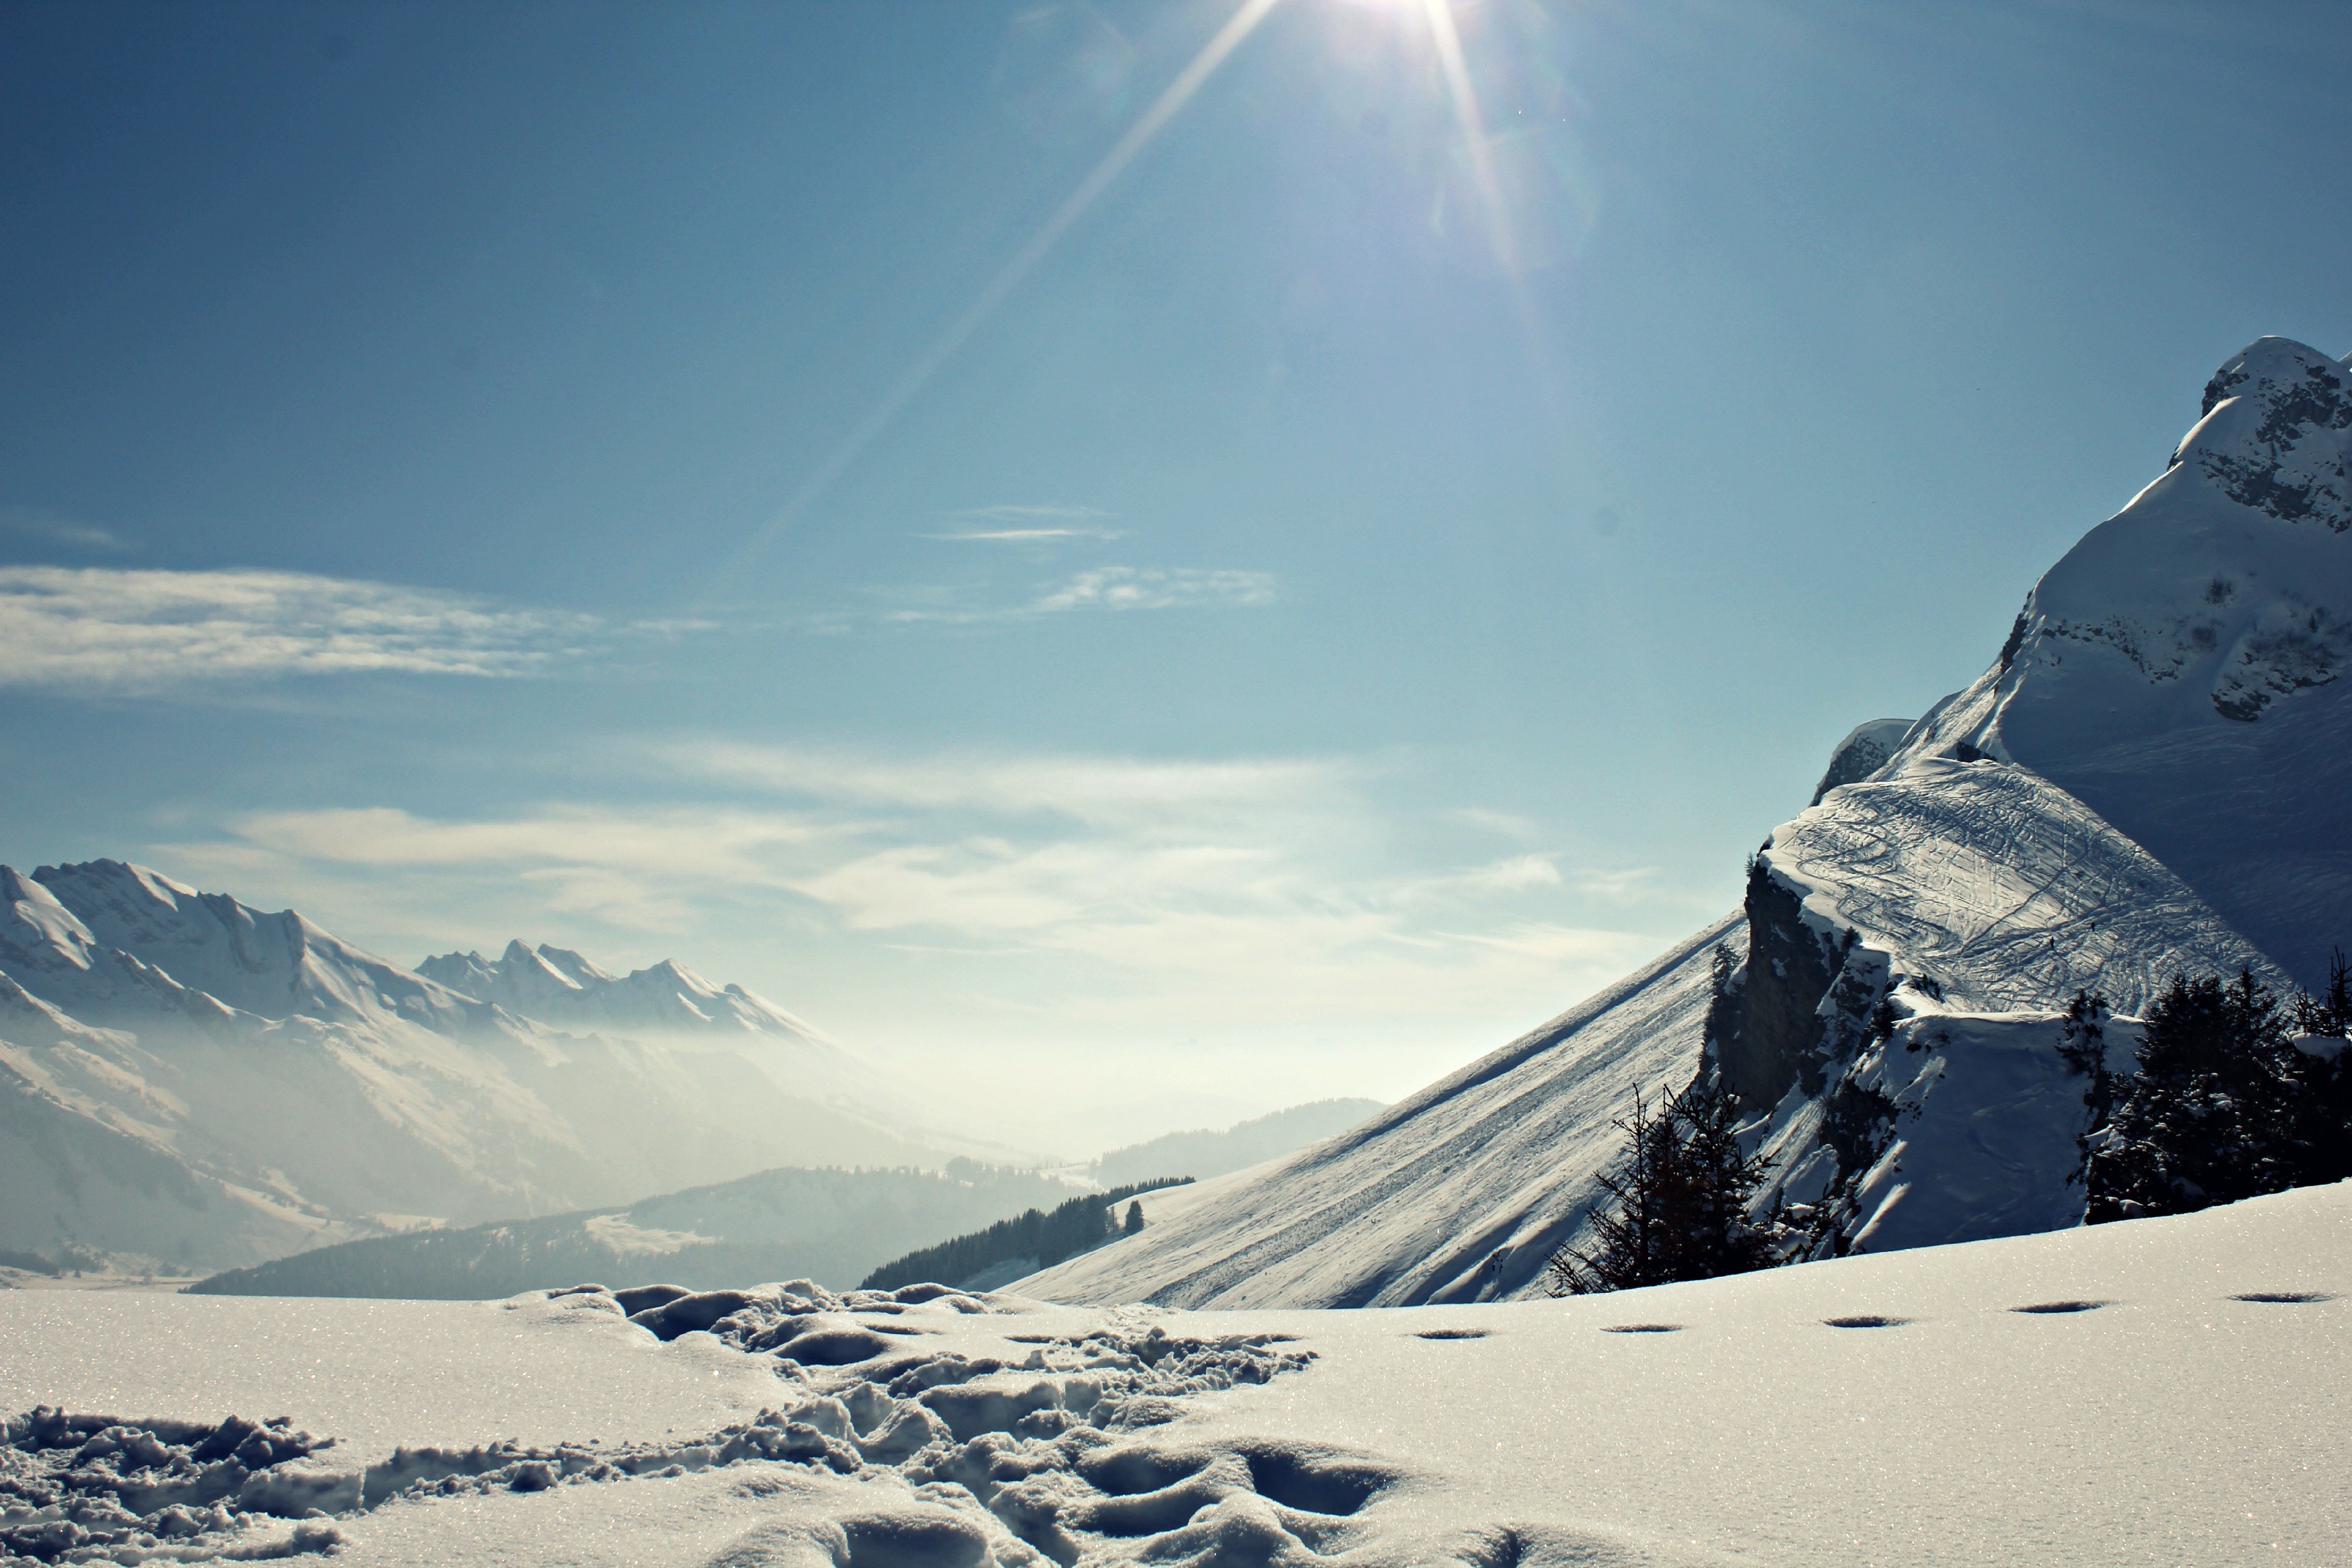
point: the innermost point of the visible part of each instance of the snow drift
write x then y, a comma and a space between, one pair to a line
2148, 779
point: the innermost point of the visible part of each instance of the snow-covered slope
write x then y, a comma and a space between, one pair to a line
188, 1081
1458, 1193
2159, 1391
2148, 779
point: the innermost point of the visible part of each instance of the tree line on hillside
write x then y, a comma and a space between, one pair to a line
2234, 1093
1044, 1237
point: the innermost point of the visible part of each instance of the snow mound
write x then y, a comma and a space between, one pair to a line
1863, 752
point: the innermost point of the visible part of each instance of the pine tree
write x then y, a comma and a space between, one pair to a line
2330, 1014
1679, 1200
1134, 1218
2324, 1125
2212, 1116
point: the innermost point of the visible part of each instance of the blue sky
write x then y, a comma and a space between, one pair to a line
663, 480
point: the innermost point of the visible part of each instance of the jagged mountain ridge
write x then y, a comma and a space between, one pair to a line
186, 1079
2147, 779
559, 988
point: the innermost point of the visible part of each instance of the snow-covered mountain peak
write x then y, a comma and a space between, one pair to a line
2277, 434
1865, 749
2179, 670
574, 967
2148, 782
272, 965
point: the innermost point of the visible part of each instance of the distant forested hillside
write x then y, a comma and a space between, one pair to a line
1205, 1153
830, 1225
1037, 1239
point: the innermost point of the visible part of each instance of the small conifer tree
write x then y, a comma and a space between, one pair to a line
1134, 1218
1679, 1197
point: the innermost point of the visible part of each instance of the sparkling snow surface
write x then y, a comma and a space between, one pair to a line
2108, 1396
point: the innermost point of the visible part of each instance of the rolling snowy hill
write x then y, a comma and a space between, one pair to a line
2148, 778
193, 1083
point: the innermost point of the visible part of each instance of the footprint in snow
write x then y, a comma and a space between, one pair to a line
2286, 1297
2047, 1307
1865, 1320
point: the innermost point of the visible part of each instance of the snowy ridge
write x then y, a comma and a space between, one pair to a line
192, 1082
2148, 779
2002, 888
561, 988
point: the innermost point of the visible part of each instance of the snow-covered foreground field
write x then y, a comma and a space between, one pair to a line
2179, 1397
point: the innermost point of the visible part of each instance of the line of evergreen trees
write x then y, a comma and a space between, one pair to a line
2236, 1095
1067, 1229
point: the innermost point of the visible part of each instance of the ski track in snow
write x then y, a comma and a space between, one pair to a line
2155, 1391
2004, 888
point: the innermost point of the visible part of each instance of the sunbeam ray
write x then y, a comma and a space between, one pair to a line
1228, 38
1466, 112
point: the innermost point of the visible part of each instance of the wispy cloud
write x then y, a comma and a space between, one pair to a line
54, 528
102, 628
1030, 525
1155, 588
1236, 889
1096, 588
1026, 535
1101, 790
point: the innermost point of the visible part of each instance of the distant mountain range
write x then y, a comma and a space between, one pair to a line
558, 987
190, 1083
1206, 1151
2150, 777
